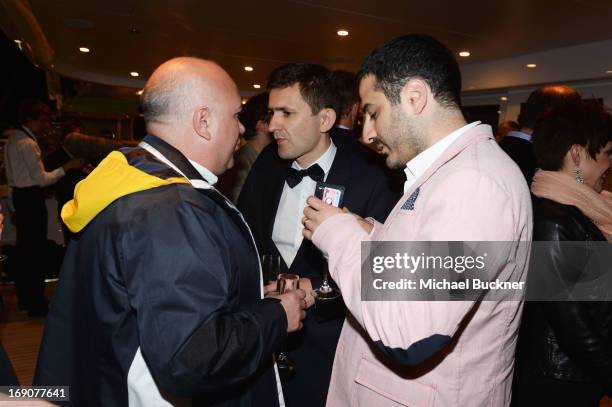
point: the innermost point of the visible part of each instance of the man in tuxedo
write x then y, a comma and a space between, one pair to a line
517, 144
303, 111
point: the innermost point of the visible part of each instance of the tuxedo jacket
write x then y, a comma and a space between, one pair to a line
368, 194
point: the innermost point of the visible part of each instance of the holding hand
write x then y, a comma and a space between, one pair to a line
270, 290
315, 213
295, 305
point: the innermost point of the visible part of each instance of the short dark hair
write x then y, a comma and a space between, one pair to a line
253, 111
583, 122
415, 56
33, 109
346, 89
314, 82
543, 99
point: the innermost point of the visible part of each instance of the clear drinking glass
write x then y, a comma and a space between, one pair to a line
270, 267
271, 270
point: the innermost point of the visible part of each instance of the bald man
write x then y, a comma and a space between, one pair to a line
160, 299
517, 144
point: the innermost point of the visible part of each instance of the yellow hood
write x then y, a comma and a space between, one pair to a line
111, 180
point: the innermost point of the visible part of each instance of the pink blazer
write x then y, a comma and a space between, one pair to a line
474, 192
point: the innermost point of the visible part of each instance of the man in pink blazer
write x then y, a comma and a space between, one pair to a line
460, 187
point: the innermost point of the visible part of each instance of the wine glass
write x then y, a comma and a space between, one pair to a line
286, 282
326, 292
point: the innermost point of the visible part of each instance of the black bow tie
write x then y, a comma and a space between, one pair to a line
294, 176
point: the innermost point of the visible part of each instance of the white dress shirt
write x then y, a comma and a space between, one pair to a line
419, 164
287, 232
24, 166
205, 173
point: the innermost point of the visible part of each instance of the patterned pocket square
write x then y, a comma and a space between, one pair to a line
409, 204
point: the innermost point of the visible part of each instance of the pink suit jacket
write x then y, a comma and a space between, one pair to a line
473, 192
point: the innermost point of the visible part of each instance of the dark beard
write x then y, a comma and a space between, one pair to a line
406, 140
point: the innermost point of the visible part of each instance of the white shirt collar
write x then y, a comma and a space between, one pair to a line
342, 126
205, 173
325, 161
209, 177
419, 164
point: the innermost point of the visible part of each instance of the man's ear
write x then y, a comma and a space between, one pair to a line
201, 122
327, 118
415, 95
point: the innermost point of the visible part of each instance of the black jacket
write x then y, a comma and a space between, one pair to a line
567, 341
521, 152
164, 284
367, 194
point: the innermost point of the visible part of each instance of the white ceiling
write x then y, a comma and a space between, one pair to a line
137, 35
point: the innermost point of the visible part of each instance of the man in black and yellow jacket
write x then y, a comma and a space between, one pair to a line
160, 294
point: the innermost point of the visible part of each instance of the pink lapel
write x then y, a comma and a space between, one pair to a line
472, 136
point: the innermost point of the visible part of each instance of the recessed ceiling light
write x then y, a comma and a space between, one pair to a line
244, 100
342, 33
256, 85
84, 49
504, 98
139, 92
464, 54
248, 68
134, 74
531, 65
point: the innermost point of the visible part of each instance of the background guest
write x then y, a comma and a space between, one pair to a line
565, 348
506, 127
344, 85
26, 176
517, 144
254, 118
